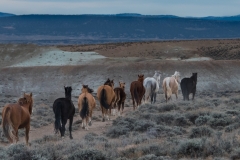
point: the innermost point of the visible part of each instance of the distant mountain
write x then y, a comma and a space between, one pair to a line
5, 14
225, 18
85, 29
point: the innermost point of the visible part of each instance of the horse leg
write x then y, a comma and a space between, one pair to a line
154, 97
27, 129
87, 120
122, 107
193, 94
133, 101
103, 118
70, 127
64, 121
119, 108
187, 95
90, 118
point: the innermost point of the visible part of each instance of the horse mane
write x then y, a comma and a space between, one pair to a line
89, 90
22, 101
109, 83
27, 99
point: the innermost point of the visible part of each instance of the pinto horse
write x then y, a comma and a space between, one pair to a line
170, 85
137, 91
86, 104
188, 85
106, 97
64, 109
151, 85
120, 97
17, 116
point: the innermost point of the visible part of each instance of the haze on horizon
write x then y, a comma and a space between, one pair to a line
182, 8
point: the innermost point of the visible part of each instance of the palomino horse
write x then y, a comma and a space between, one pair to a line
17, 116
120, 97
188, 85
151, 85
86, 104
106, 95
170, 85
137, 91
64, 109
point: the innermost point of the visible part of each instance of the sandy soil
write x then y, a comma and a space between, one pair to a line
44, 70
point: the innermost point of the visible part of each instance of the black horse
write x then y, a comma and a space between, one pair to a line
64, 109
188, 85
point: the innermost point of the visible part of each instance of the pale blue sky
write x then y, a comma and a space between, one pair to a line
196, 8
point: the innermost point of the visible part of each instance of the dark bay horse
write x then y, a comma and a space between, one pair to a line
106, 97
17, 116
188, 85
120, 97
64, 109
137, 91
86, 104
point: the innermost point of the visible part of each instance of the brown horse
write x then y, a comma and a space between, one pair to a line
86, 104
17, 116
120, 97
137, 91
170, 85
106, 97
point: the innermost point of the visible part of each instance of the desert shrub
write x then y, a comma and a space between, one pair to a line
87, 154
47, 138
18, 151
167, 107
46, 152
154, 157
182, 121
3, 154
142, 125
140, 139
232, 127
232, 112
190, 147
90, 136
219, 119
198, 132
164, 131
236, 154
201, 120
116, 131
192, 116
167, 119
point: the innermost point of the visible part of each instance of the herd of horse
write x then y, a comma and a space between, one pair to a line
17, 116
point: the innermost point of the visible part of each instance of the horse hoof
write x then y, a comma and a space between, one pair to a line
83, 127
103, 120
62, 137
90, 123
71, 137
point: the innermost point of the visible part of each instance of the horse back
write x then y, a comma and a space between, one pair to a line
90, 98
65, 105
122, 93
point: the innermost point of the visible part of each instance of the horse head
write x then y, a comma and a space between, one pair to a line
122, 85
27, 100
177, 76
87, 89
141, 78
112, 83
68, 91
157, 76
109, 83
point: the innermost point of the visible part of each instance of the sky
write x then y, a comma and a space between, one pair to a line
182, 8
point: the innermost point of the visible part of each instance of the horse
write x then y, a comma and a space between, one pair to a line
137, 91
188, 85
170, 85
106, 96
151, 85
120, 97
16, 116
86, 104
64, 109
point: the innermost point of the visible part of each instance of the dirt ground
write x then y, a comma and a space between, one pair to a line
44, 70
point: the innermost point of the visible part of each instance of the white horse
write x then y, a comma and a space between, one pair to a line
151, 85
170, 85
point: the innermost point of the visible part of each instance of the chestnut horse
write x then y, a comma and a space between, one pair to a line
170, 85
17, 116
106, 97
64, 109
120, 97
86, 104
137, 91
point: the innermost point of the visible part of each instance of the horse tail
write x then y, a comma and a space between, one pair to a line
103, 99
169, 91
135, 93
85, 109
58, 111
148, 89
117, 94
7, 125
